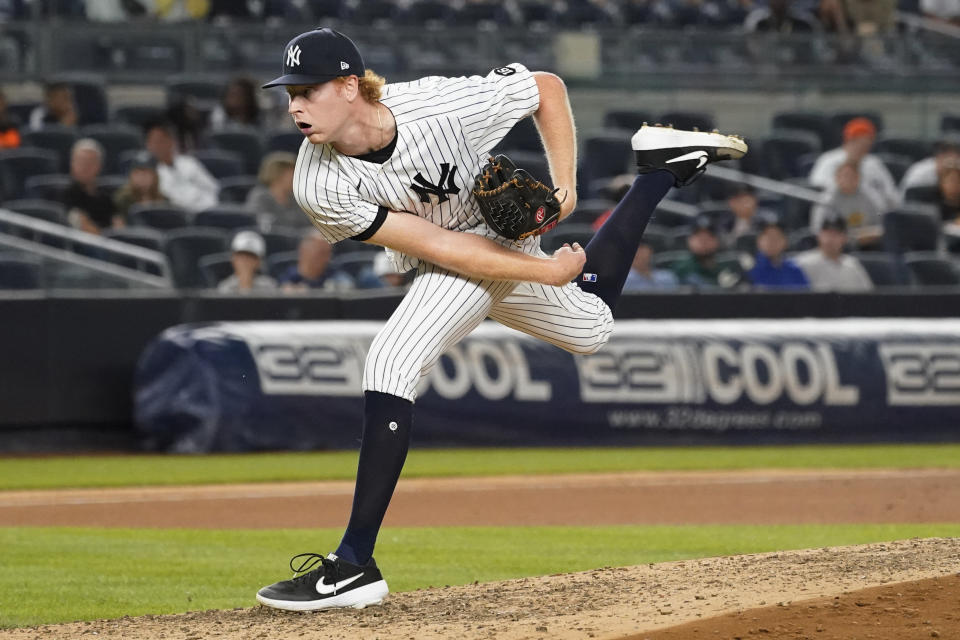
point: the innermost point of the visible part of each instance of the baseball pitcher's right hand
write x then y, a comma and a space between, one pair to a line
568, 261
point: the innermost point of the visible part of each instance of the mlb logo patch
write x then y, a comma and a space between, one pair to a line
589, 277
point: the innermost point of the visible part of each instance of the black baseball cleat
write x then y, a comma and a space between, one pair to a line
685, 154
336, 583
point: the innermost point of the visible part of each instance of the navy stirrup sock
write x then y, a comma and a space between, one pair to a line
383, 450
610, 252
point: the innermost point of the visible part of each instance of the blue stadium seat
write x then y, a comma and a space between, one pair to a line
158, 216
881, 268
54, 138
185, 247
811, 121
522, 137
281, 239
925, 194
116, 139
913, 149
932, 269
780, 154
688, 120
137, 115
284, 141
48, 210
49, 186
606, 155
140, 236
911, 230
627, 120
20, 272
16, 165
566, 233
949, 122
244, 141
279, 263
215, 268
234, 190
226, 217
220, 163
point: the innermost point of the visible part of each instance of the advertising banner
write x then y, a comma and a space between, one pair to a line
297, 385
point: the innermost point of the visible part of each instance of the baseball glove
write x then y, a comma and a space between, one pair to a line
514, 203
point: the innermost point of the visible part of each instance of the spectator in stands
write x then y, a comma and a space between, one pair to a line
772, 269
701, 267
142, 186
311, 270
184, 181
948, 191
58, 107
780, 16
88, 208
942, 10
274, 194
858, 137
926, 172
248, 250
827, 267
238, 106
643, 276
9, 127
742, 200
861, 208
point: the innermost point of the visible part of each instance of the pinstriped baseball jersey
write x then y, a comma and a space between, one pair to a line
445, 130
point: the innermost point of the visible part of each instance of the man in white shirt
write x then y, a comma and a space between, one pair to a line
858, 137
184, 181
827, 267
926, 172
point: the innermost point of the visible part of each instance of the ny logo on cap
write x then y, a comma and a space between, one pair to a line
293, 56
343, 65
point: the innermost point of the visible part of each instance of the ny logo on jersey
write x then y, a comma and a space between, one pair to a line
293, 56
424, 189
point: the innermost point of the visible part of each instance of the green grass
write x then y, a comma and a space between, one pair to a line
61, 574
139, 470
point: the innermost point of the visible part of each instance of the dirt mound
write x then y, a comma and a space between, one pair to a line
605, 603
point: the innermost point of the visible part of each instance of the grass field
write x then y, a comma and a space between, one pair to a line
64, 574
141, 470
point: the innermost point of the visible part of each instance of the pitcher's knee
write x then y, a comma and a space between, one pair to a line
386, 373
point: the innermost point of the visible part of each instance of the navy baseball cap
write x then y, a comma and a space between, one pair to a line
317, 56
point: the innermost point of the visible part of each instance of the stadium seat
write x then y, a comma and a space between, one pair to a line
605, 155
590, 209
215, 268
47, 187
746, 243
220, 163
353, 264
421, 12
473, 13
667, 259
720, 216
140, 236
234, 190
911, 230
627, 120
881, 268
109, 184
665, 218
284, 141
48, 210
280, 239
896, 164
913, 149
226, 217
60, 140
925, 195
658, 238
244, 141
688, 120
801, 240
677, 239
522, 137
534, 162
90, 96
279, 263
16, 165
137, 115
811, 122
20, 272
204, 89
780, 154
566, 233
115, 139
185, 247
931, 269
354, 246
158, 216
949, 122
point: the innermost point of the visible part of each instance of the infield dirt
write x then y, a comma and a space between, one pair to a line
770, 595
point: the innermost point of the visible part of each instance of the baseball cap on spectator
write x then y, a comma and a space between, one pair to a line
704, 223
836, 223
859, 127
766, 219
317, 56
249, 242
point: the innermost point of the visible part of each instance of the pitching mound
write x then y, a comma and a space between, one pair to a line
766, 593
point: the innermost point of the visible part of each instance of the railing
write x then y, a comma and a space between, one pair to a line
923, 55
119, 261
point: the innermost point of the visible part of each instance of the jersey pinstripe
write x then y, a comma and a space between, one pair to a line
446, 128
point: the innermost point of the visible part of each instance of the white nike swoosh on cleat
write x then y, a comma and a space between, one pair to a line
693, 155
327, 589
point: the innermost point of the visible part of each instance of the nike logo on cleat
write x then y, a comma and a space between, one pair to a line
700, 156
327, 589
